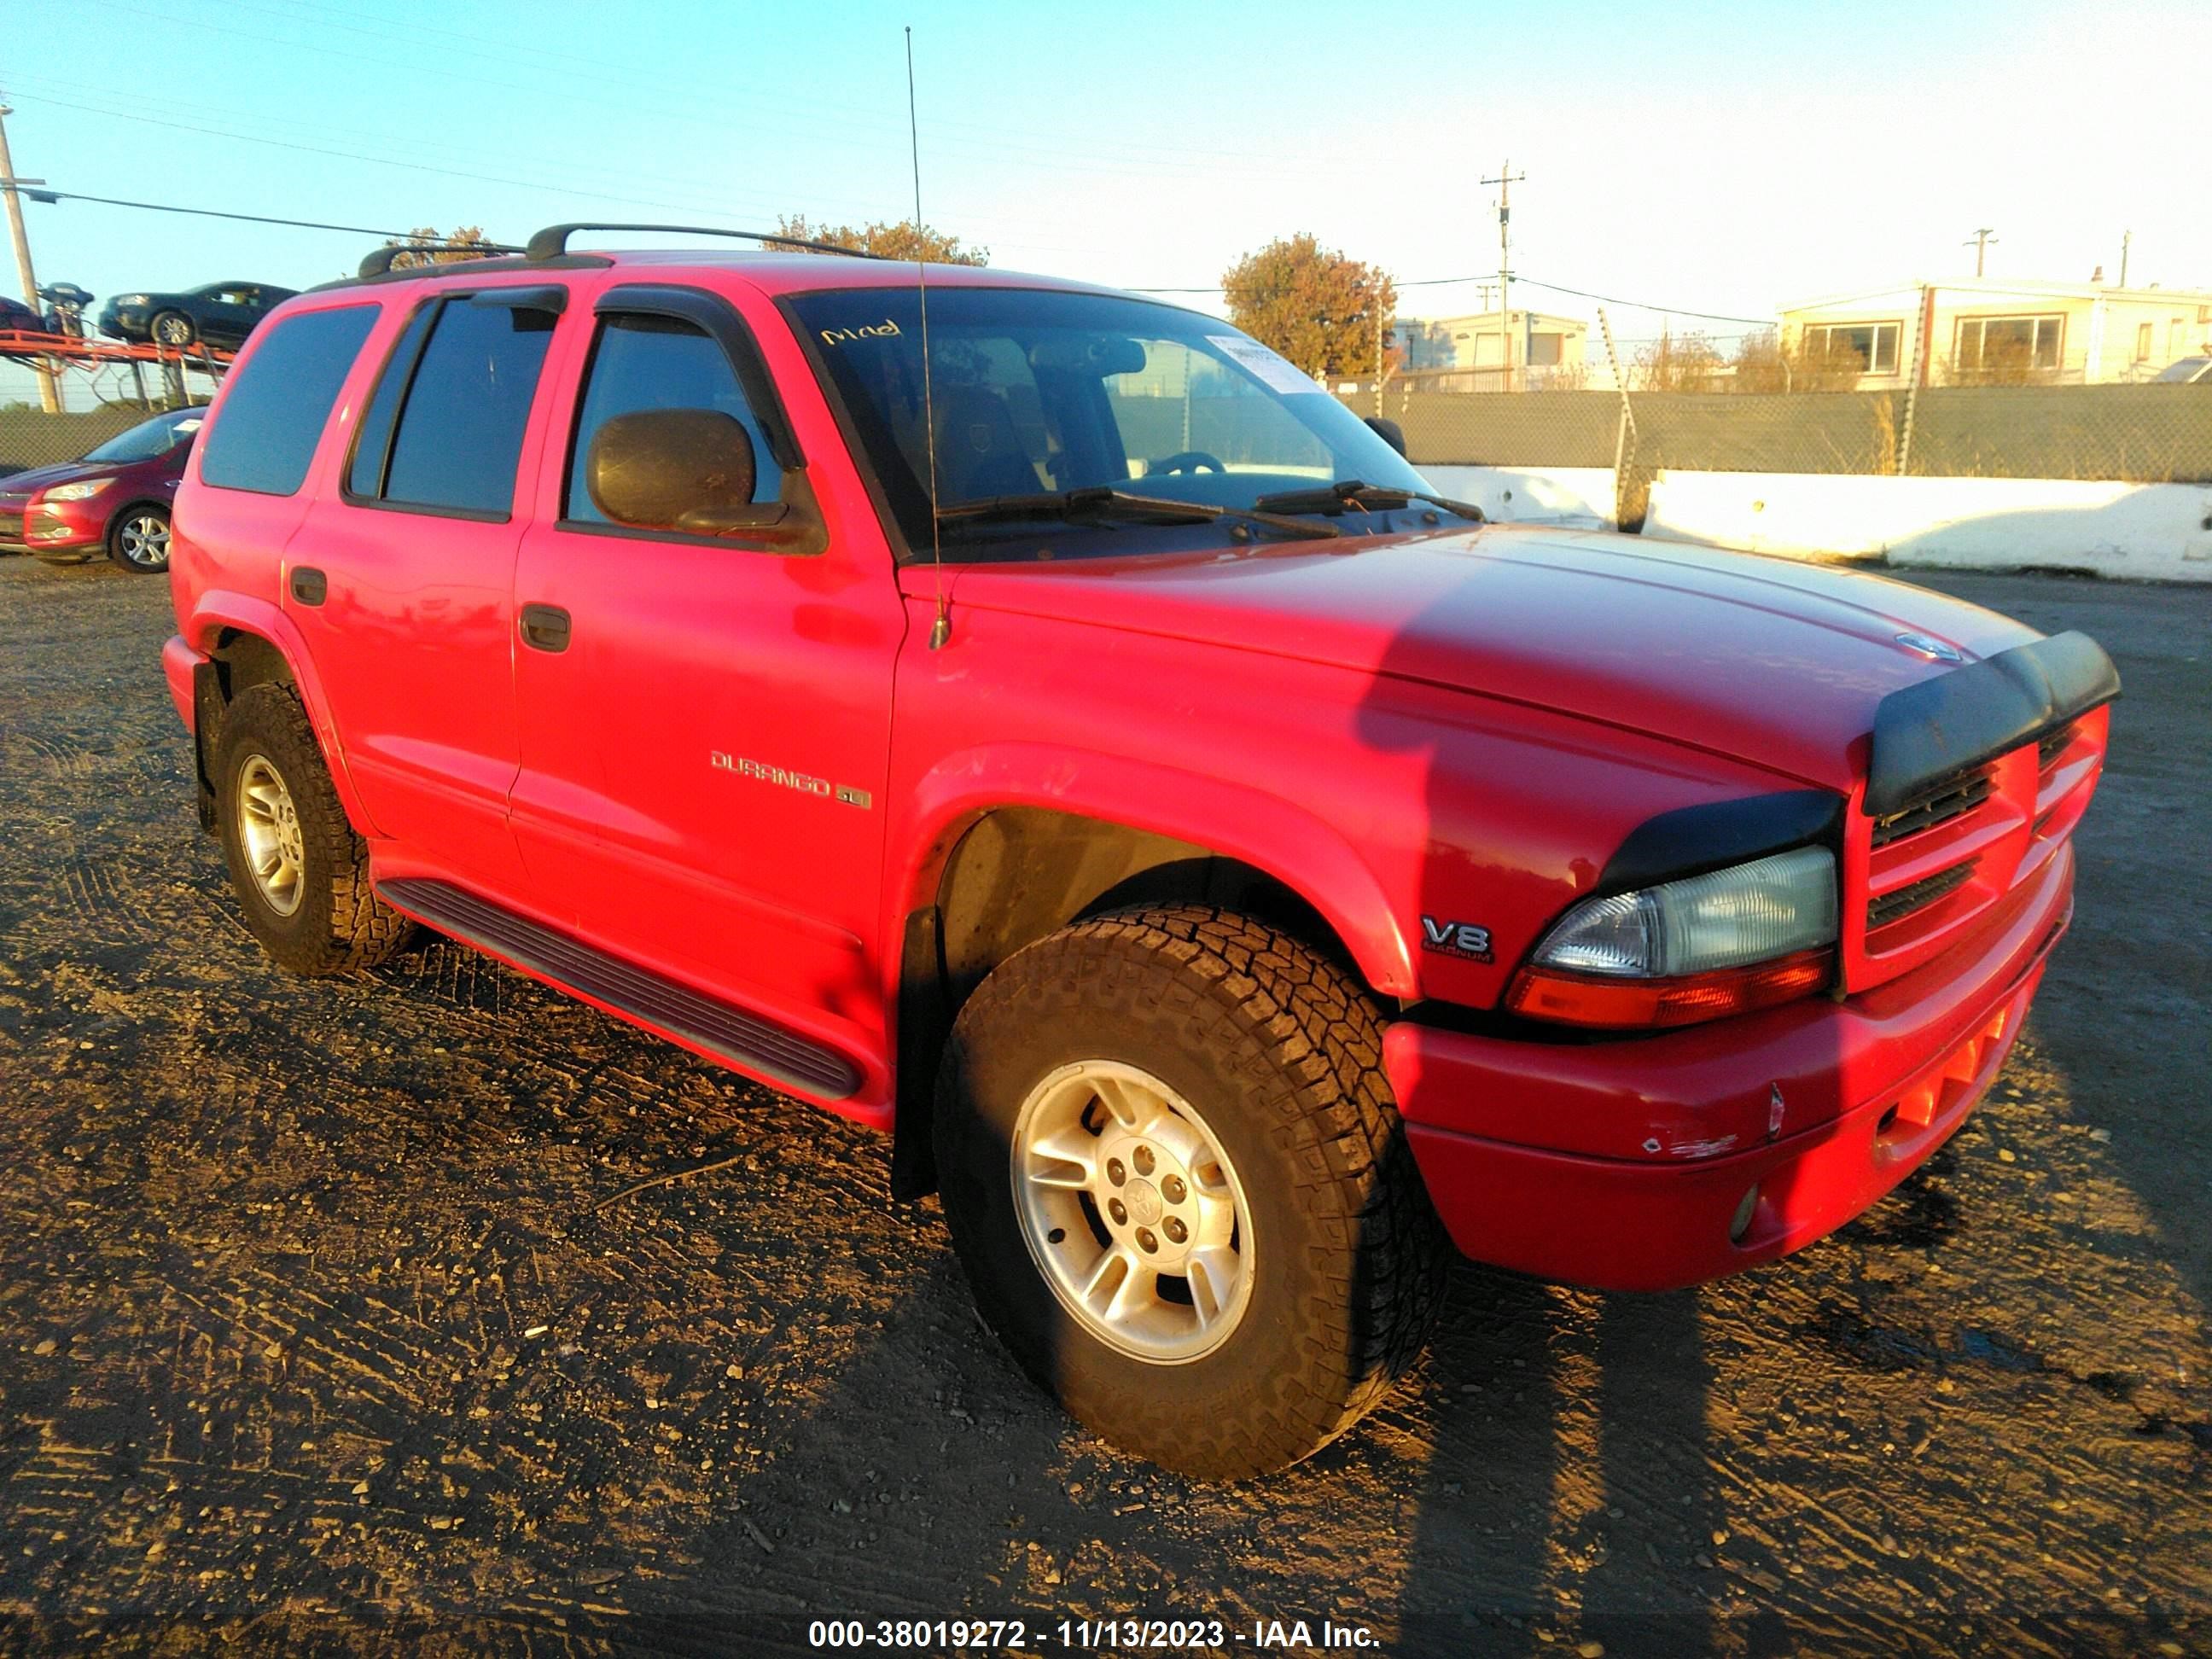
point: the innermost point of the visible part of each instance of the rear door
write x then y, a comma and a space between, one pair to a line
403, 580
706, 719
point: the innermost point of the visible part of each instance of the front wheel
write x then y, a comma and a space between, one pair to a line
172, 328
139, 540
1176, 1178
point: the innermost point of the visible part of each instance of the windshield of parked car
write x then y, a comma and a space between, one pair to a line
147, 439
1038, 393
2187, 369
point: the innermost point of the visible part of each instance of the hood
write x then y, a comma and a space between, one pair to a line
45, 477
1763, 659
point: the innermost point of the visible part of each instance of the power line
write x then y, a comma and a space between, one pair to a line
1490, 278
250, 218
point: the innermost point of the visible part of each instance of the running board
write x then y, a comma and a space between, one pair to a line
783, 1056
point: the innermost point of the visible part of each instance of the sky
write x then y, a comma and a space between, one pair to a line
1726, 158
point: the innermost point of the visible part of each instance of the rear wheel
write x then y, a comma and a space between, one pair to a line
139, 539
299, 870
1174, 1175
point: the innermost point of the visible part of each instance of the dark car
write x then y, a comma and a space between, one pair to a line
115, 497
16, 318
222, 315
2190, 371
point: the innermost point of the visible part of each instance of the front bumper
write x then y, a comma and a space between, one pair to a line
1622, 1164
47, 527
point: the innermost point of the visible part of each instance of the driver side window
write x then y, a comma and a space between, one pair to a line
646, 362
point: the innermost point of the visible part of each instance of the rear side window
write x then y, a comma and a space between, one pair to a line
273, 417
443, 431
648, 361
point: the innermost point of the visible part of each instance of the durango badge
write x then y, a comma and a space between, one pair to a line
1456, 939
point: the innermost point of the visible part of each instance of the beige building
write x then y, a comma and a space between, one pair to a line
1981, 329
1547, 347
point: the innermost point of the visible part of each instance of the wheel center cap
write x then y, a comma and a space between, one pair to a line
1144, 1203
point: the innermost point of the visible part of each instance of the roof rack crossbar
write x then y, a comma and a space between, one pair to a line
378, 261
552, 242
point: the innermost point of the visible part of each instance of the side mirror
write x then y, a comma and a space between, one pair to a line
676, 468
1390, 431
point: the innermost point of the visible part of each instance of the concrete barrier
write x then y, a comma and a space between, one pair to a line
1578, 495
2158, 531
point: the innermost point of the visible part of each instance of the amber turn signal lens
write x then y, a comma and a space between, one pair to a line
1633, 1003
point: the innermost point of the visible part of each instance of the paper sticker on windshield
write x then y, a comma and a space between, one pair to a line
193, 425
1275, 373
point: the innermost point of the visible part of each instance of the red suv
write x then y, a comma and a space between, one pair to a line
1040, 723
114, 499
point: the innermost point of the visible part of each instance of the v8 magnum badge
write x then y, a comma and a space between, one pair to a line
1456, 939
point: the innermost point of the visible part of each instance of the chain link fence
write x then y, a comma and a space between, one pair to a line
2131, 434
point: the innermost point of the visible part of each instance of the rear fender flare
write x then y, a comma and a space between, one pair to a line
216, 611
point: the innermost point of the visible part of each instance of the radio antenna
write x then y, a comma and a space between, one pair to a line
940, 629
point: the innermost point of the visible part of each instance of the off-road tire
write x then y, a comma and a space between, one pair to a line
340, 925
1281, 1052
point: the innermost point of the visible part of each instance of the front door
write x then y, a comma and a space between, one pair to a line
705, 719
403, 582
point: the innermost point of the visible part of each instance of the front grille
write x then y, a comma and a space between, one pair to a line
2050, 745
11, 525
1905, 901
1953, 798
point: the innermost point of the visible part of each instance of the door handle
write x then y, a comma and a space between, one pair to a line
309, 586
545, 627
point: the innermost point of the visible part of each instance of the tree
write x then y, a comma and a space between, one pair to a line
1317, 307
467, 242
903, 241
1764, 363
1683, 362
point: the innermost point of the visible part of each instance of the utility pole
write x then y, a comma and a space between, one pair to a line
49, 394
1980, 242
2126, 236
1505, 180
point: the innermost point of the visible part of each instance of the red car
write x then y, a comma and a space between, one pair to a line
1089, 754
114, 499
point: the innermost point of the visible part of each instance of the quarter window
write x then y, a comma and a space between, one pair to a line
1874, 345
276, 409
645, 361
443, 431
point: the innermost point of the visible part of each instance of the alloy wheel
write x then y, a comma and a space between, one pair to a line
269, 835
1133, 1212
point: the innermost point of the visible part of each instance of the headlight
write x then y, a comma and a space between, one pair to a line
1696, 948
75, 492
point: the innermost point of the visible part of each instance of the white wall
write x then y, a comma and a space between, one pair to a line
1578, 495
2162, 532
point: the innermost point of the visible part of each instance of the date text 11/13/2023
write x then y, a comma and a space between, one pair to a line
1093, 1635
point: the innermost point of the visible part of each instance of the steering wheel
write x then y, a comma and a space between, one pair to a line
1190, 460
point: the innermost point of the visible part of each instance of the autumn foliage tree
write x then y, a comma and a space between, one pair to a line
427, 246
903, 241
1317, 307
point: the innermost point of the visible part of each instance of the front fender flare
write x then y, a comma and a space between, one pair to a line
1275, 835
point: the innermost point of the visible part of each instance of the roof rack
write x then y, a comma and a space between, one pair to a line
552, 242
378, 261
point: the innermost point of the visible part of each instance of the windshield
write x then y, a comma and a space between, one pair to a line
2187, 369
147, 439
1038, 393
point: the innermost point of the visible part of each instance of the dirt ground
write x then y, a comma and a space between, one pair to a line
318, 1328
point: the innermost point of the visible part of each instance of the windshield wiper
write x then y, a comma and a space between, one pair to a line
1103, 502
1367, 497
